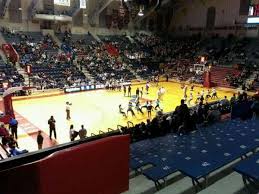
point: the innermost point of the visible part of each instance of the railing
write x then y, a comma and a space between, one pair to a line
110, 129
119, 127
34, 156
94, 15
130, 123
4, 6
6, 152
75, 9
32, 10
101, 132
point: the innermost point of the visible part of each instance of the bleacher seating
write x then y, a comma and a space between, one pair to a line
141, 55
195, 155
218, 75
249, 169
49, 68
10, 75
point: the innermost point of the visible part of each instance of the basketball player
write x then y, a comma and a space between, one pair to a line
124, 90
122, 112
147, 87
145, 105
137, 92
208, 95
157, 104
162, 93
156, 80
185, 98
129, 91
68, 110
214, 93
192, 88
202, 93
185, 90
137, 106
130, 109
198, 98
159, 93
190, 99
141, 92
149, 109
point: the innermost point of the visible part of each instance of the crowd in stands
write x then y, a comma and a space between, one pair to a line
140, 55
184, 120
9, 139
9, 75
94, 57
50, 68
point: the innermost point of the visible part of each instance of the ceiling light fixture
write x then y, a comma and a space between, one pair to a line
141, 13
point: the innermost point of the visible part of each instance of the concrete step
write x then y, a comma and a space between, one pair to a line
85, 72
54, 37
222, 181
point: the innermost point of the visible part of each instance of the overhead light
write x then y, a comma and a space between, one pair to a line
141, 9
20, 9
125, 1
85, 15
140, 13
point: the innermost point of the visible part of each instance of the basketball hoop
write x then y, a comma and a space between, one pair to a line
210, 66
5, 85
202, 59
28, 69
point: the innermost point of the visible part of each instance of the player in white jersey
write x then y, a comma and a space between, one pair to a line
214, 93
190, 99
185, 90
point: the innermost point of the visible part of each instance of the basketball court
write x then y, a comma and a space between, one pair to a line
96, 110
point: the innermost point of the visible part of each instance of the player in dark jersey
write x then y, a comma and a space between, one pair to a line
145, 105
149, 109
124, 90
137, 92
137, 106
129, 91
141, 92
122, 112
157, 104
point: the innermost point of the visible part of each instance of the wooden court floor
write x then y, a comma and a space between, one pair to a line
96, 110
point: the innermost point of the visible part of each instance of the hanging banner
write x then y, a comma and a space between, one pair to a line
82, 4
62, 2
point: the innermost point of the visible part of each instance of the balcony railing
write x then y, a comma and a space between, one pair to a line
3, 7
94, 15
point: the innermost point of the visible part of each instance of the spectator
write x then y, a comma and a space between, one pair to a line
15, 151
72, 133
52, 127
4, 134
82, 132
40, 140
225, 102
233, 100
13, 125
255, 108
12, 142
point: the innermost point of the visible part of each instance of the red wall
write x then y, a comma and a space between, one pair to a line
98, 167
11, 52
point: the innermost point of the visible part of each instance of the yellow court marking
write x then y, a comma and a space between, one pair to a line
96, 110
